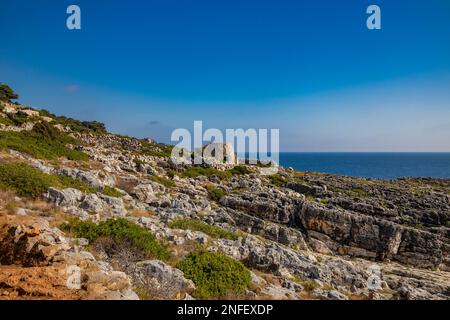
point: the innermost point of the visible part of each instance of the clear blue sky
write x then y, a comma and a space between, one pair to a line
310, 68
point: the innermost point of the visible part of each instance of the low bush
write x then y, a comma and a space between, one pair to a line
197, 225
138, 162
48, 133
7, 94
161, 180
119, 230
111, 192
25, 180
5, 120
31, 182
278, 180
93, 127
215, 193
155, 149
215, 275
43, 142
68, 182
16, 119
308, 285
46, 113
240, 170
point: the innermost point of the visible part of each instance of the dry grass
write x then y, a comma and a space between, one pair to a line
308, 285
307, 295
38, 205
35, 208
8, 204
6, 157
56, 217
94, 165
271, 279
178, 252
126, 184
142, 213
354, 296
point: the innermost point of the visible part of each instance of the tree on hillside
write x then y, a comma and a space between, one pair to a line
7, 94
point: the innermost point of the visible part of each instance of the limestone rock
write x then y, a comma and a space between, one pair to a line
65, 197
161, 280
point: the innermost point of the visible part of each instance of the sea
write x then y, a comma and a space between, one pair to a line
378, 165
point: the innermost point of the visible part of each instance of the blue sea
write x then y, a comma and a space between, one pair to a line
377, 165
371, 165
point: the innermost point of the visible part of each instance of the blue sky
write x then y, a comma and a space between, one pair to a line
310, 68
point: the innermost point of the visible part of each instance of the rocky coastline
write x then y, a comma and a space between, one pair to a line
300, 235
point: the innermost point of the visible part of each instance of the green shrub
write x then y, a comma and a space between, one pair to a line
25, 180
82, 229
197, 225
155, 149
68, 182
43, 142
418, 226
6, 93
215, 193
308, 285
142, 293
278, 180
46, 113
92, 127
6, 121
172, 173
215, 275
111, 192
161, 180
310, 197
138, 161
48, 132
119, 230
18, 118
240, 170
31, 182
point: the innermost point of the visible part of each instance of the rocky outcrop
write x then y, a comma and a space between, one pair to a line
267, 205
161, 281
369, 237
83, 205
67, 197
373, 235
37, 261
95, 179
